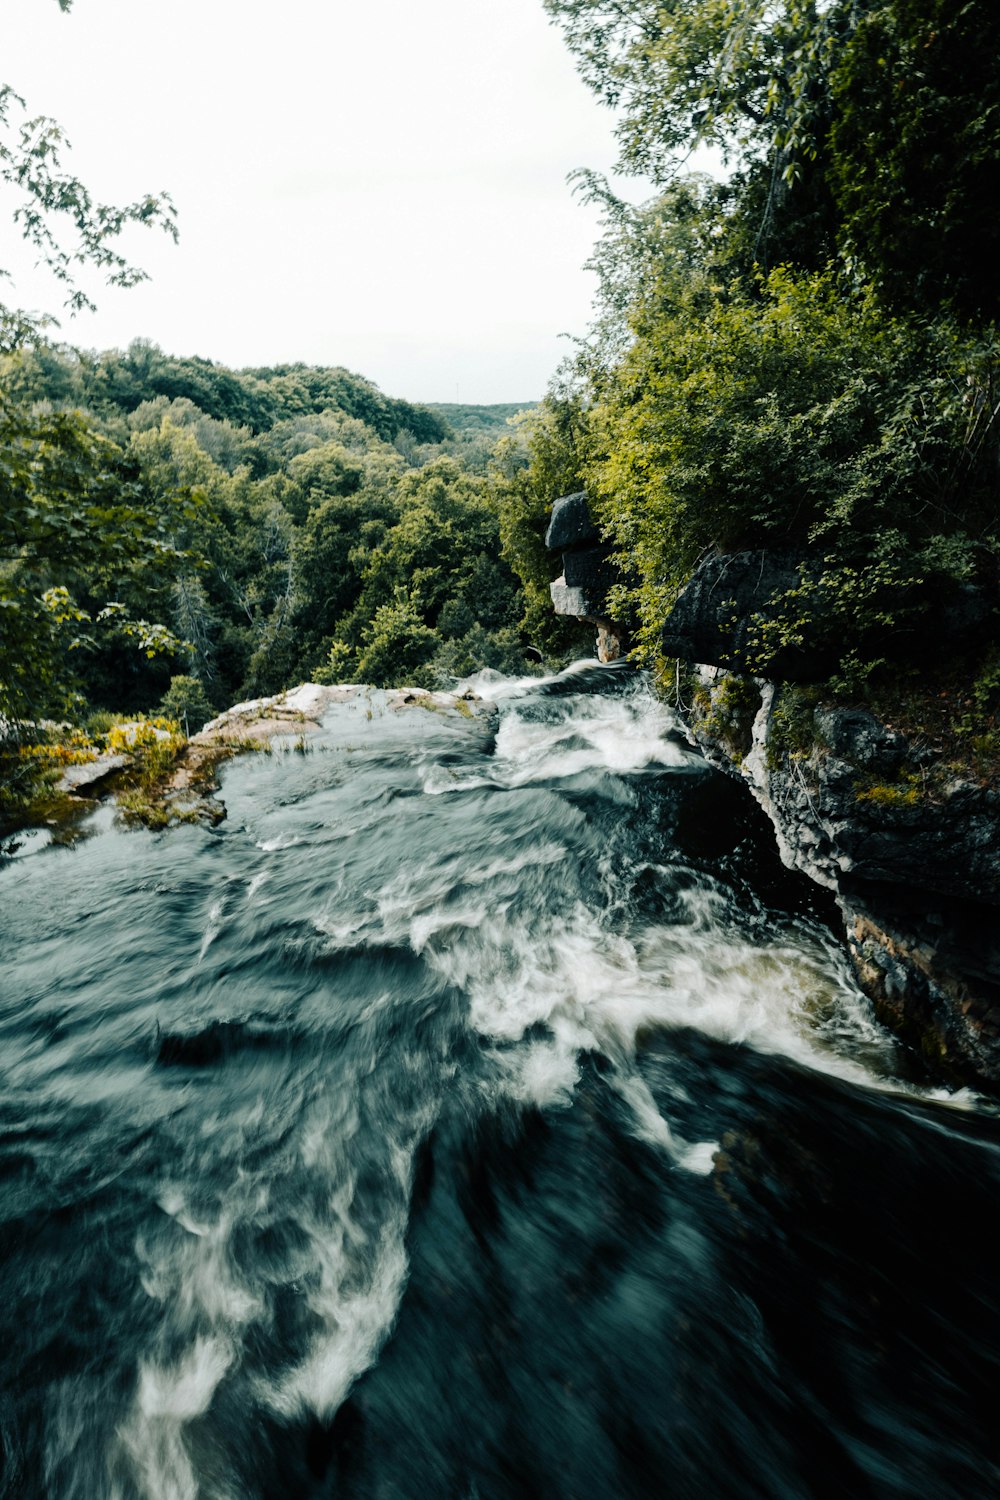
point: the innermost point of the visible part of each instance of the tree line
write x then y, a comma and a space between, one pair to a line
169, 518
804, 355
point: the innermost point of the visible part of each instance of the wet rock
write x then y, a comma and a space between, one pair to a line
611, 642
300, 711
296, 711
912, 857
934, 977
91, 774
583, 586
569, 601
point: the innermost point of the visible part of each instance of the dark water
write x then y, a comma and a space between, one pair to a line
479, 1116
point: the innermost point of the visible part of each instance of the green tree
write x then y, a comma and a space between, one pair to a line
71, 517
869, 129
792, 417
749, 76
59, 217
73, 524
396, 644
915, 153
186, 702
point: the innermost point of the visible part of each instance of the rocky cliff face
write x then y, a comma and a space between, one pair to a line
909, 846
911, 851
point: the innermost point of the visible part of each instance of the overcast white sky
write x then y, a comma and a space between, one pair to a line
374, 183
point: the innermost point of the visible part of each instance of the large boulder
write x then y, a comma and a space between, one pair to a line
571, 525
590, 569
588, 573
717, 617
722, 618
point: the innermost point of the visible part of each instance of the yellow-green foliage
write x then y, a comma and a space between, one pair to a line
72, 747
795, 415
140, 736
155, 746
906, 792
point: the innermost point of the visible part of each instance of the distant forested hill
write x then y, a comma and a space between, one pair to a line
254, 398
472, 421
170, 520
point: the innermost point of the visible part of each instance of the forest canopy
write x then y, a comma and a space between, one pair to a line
245, 529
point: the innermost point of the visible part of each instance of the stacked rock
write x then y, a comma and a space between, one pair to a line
588, 573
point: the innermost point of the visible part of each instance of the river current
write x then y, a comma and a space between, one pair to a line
479, 1112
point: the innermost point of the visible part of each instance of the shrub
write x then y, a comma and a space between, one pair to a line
797, 415
186, 702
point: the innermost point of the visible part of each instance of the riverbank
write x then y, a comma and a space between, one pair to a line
157, 776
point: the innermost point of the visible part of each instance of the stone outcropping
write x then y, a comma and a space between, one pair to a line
911, 854
716, 618
910, 849
736, 609
582, 588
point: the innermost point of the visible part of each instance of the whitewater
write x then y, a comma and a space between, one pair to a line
480, 1110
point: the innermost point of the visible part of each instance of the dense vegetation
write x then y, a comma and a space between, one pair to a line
245, 529
806, 356
176, 536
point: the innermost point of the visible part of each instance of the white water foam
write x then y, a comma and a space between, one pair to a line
791, 992
618, 735
572, 975
346, 1269
278, 841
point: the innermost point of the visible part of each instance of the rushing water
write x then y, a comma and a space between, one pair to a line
479, 1112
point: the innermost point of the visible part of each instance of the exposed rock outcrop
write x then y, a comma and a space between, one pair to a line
86, 778
911, 852
716, 618
581, 590
776, 614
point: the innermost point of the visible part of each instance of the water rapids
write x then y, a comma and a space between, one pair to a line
481, 1111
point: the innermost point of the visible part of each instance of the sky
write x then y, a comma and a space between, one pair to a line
379, 184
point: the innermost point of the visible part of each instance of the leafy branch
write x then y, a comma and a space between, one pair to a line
59, 217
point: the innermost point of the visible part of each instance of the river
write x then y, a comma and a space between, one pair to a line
480, 1111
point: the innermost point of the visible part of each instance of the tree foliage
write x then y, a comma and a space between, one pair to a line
64, 224
74, 522
804, 357
914, 150
867, 129
311, 546
791, 416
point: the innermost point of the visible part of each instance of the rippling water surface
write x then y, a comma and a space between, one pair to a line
479, 1112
